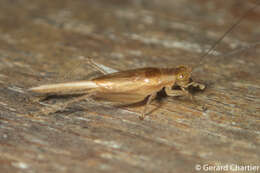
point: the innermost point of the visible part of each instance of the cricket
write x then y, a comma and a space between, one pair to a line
132, 86
129, 86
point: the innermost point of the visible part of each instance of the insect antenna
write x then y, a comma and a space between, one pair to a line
237, 22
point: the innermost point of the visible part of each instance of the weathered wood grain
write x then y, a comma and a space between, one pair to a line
42, 41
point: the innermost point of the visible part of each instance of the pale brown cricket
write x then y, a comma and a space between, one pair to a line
133, 86
129, 86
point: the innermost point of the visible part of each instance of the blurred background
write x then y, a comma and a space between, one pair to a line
46, 41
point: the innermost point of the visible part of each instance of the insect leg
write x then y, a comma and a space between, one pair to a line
171, 92
194, 84
92, 63
184, 92
150, 99
62, 106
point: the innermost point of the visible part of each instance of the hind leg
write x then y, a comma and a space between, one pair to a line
62, 106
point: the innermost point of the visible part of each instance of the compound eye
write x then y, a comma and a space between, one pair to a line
181, 76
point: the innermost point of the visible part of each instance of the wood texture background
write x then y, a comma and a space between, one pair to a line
42, 42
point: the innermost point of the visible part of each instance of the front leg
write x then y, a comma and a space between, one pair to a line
170, 92
194, 84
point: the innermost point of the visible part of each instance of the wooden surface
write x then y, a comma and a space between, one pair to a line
42, 42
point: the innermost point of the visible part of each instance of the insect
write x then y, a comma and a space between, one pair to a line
131, 86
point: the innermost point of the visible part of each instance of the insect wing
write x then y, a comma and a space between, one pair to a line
128, 86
